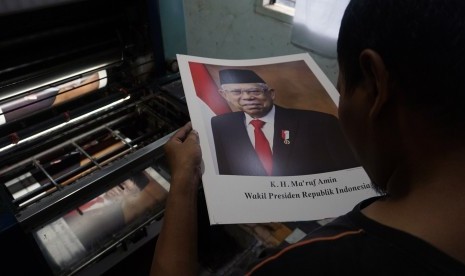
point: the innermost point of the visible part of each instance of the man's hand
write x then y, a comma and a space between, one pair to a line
183, 153
176, 249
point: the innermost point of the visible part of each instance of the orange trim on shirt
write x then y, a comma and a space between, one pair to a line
340, 235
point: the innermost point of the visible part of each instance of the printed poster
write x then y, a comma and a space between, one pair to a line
272, 146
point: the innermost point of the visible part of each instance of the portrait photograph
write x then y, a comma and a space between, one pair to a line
299, 129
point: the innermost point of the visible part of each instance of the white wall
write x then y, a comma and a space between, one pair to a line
231, 29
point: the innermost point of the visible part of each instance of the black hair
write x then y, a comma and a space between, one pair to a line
422, 43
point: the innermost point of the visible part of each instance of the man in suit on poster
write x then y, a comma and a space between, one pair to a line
266, 139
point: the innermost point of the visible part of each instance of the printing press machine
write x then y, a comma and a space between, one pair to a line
86, 103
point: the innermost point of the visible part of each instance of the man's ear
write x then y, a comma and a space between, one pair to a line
223, 94
376, 78
272, 93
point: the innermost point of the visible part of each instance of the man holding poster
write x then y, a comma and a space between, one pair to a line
266, 139
401, 106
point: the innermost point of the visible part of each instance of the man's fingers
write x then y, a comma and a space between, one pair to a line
182, 133
193, 136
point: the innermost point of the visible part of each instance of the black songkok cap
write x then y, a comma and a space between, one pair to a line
239, 76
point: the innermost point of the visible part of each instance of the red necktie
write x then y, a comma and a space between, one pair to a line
262, 146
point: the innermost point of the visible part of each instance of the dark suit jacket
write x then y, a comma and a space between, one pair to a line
316, 144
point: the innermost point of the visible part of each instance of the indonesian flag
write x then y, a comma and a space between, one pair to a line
285, 134
206, 89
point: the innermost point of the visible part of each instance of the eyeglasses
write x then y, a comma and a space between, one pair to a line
250, 91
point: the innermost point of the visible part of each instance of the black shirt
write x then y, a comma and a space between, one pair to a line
353, 244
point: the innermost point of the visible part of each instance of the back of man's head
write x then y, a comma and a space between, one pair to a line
422, 43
